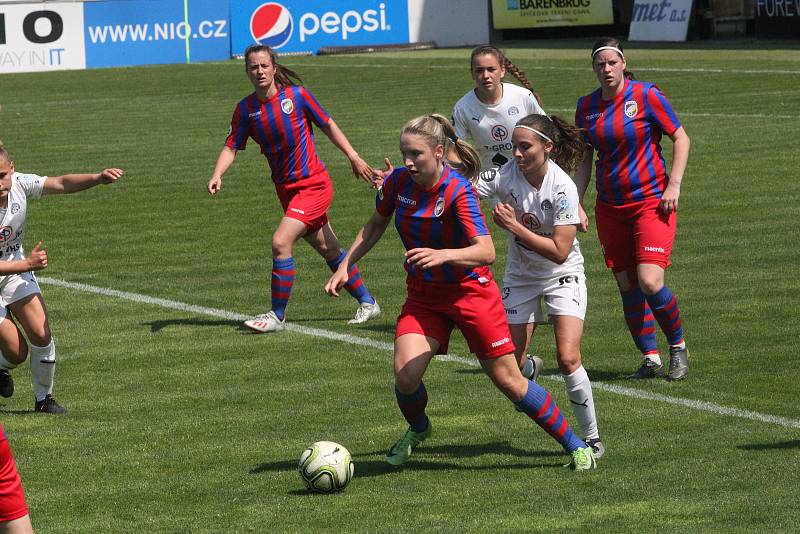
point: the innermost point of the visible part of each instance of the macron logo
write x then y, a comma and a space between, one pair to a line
301, 212
654, 249
503, 341
406, 201
594, 116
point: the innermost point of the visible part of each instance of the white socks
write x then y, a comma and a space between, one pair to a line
579, 390
43, 367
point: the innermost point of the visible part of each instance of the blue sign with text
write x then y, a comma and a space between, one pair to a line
308, 25
142, 32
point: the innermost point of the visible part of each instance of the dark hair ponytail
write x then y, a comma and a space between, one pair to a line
569, 143
283, 75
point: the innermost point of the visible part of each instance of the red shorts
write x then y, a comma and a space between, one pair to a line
635, 233
307, 200
433, 309
12, 500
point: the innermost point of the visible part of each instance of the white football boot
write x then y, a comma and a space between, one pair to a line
365, 312
266, 322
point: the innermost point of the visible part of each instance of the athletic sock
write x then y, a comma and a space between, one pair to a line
540, 406
653, 357
579, 389
43, 367
665, 308
5, 364
640, 320
355, 284
413, 407
283, 275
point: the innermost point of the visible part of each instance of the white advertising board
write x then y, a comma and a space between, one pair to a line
660, 20
41, 37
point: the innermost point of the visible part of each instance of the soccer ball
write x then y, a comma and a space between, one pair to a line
326, 467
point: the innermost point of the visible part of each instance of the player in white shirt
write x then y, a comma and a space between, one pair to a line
488, 113
20, 296
537, 204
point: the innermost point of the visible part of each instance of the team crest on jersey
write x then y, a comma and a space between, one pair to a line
546, 205
14, 208
438, 209
513, 110
631, 108
499, 133
530, 221
5, 233
287, 106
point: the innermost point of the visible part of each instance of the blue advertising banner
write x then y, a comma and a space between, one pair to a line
308, 25
143, 32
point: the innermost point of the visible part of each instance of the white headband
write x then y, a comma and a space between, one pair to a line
534, 130
614, 48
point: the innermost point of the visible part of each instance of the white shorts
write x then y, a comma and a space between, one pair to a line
536, 302
17, 287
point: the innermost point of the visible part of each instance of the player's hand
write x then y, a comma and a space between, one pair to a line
109, 176
379, 176
669, 200
361, 168
504, 216
214, 185
583, 218
425, 258
336, 281
37, 259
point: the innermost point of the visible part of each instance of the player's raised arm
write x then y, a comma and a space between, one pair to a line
72, 183
224, 161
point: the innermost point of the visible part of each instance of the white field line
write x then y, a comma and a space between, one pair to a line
381, 345
587, 68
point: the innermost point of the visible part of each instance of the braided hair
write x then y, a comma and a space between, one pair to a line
507, 64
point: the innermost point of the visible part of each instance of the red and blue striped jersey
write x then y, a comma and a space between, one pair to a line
281, 125
626, 132
445, 216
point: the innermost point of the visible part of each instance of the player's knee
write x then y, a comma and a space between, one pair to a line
568, 361
41, 336
406, 384
627, 280
651, 284
281, 247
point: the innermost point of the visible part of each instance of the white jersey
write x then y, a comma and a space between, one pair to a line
13, 217
491, 126
539, 210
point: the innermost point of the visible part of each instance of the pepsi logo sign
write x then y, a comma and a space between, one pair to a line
271, 24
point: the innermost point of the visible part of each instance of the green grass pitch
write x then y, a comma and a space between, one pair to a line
180, 421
